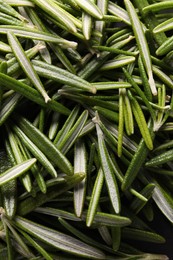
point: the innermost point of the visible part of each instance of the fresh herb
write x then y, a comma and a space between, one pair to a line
86, 128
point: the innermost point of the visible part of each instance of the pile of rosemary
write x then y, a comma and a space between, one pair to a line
86, 151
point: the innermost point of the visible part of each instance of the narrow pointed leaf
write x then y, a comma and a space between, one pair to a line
45, 145
8, 107
101, 218
115, 9
29, 204
165, 26
108, 172
137, 161
31, 93
36, 246
140, 119
16, 171
142, 43
26, 64
58, 240
84, 237
57, 12
95, 196
161, 158
87, 25
73, 134
117, 63
67, 125
142, 235
120, 122
164, 201
90, 8
80, 165
36, 151
36, 35
163, 5
8, 9
62, 76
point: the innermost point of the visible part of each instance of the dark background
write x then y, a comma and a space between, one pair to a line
163, 227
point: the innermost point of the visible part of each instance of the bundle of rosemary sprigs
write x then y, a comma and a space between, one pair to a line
86, 151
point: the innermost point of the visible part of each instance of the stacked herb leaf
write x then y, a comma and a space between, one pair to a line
86, 127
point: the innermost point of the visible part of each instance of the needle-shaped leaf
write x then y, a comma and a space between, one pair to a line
117, 62
137, 161
35, 170
100, 25
10, 20
86, 25
147, 89
62, 57
128, 116
30, 203
31, 93
120, 177
139, 91
165, 26
16, 171
164, 157
8, 107
19, 156
62, 76
26, 64
57, 13
8, 241
115, 9
36, 21
120, 121
115, 50
5, 47
116, 238
45, 145
163, 77
70, 138
80, 165
22, 247
8, 9
107, 169
9, 189
57, 213
163, 200
163, 5
142, 235
161, 102
107, 113
54, 125
137, 204
67, 126
127, 142
141, 42
110, 85
58, 240
166, 47
36, 246
21, 3
35, 151
34, 34
140, 119
12, 64
100, 219
151, 20
110, 220
83, 237
90, 8
95, 196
